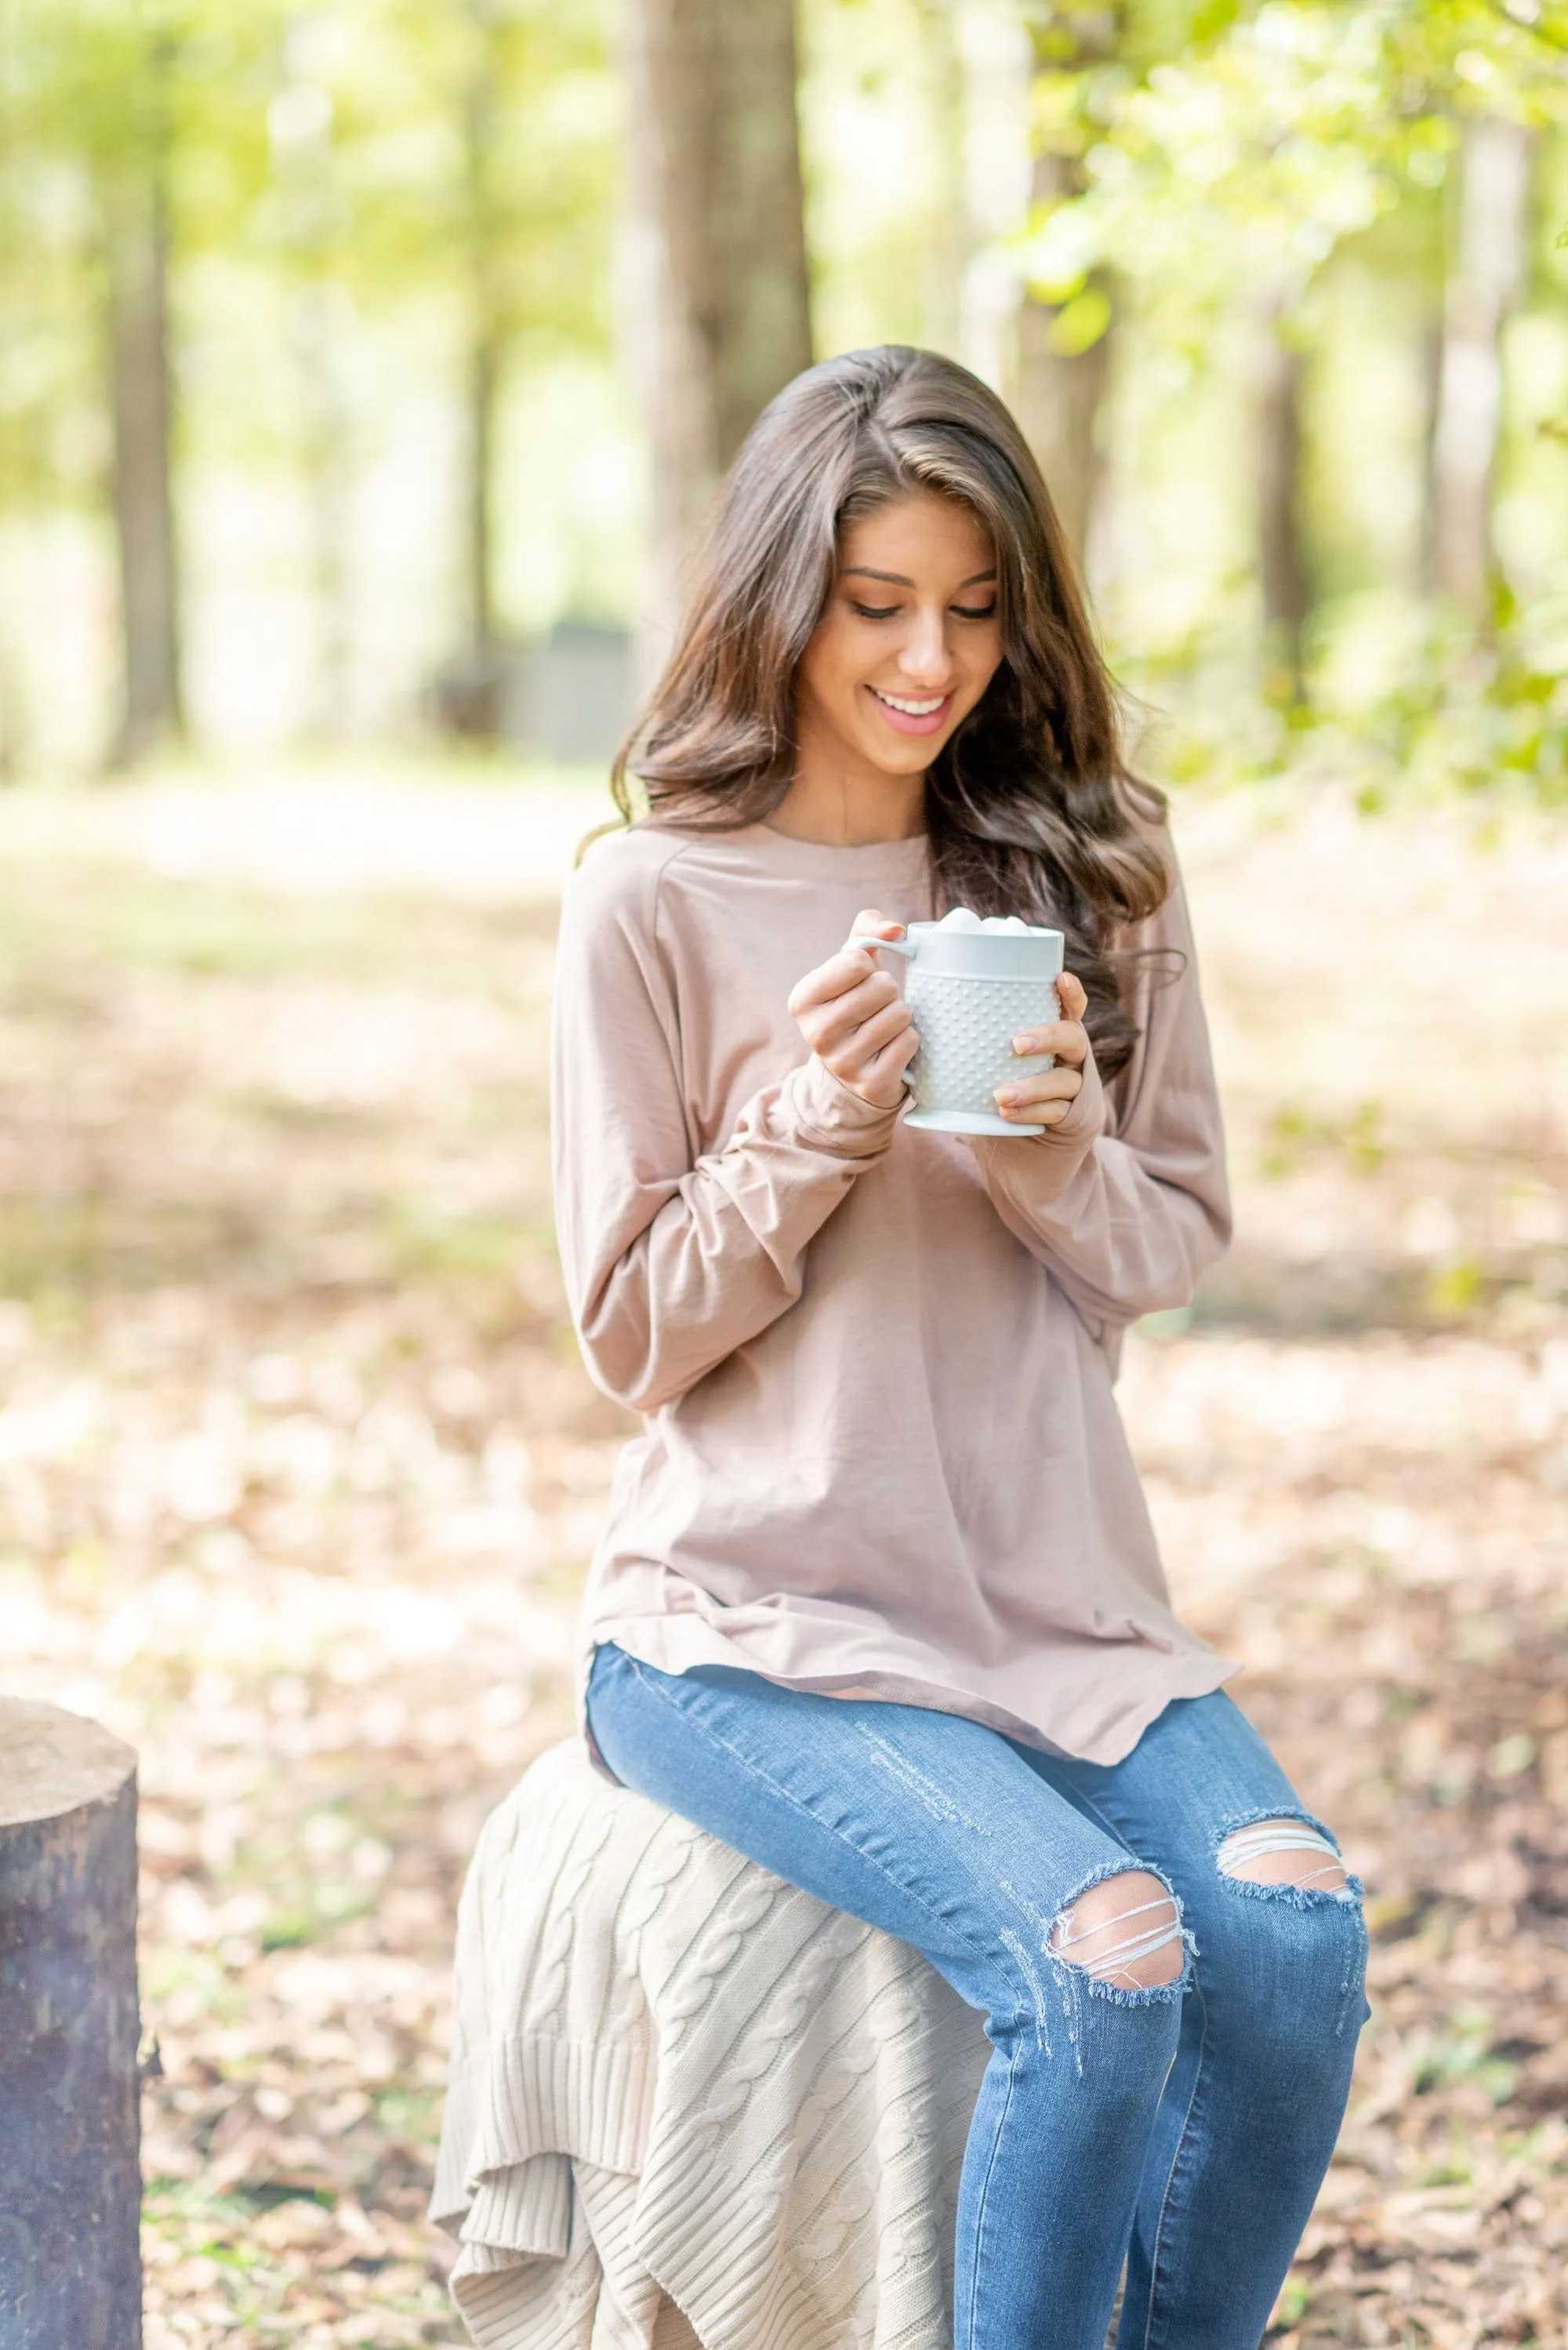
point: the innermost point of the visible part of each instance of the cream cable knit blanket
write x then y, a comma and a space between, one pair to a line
690, 2104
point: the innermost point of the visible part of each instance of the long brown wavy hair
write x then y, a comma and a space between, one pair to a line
1030, 808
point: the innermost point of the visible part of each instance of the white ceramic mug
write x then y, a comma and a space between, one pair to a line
969, 990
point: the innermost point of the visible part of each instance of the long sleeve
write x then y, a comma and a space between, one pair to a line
1126, 1206
674, 1255
879, 1452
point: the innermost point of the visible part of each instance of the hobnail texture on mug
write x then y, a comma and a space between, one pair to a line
967, 1027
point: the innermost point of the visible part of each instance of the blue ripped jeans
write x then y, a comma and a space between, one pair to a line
1183, 2127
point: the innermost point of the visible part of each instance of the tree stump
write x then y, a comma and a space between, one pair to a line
70, 2174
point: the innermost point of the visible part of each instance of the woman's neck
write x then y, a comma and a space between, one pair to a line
841, 803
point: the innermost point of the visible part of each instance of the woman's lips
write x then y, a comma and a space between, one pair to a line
929, 714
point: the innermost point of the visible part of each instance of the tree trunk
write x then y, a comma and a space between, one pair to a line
1488, 268
70, 2185
484, 385
137, 264
328, 479
1429, 360
1064, 348
1282, 556
950, 240
306, 180
721, 244
1057, 399
473, 690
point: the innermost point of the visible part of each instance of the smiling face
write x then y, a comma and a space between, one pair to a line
909, 643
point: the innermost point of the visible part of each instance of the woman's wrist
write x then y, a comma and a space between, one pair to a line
827, 1114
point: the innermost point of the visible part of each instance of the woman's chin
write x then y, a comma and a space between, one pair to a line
901, 755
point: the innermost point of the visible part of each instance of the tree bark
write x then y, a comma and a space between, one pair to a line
1060, 381
720, 244
304, 170
328, 482
1488, 267
70, 2185
472, 688
482, 385
1282, 555
1058, 393
1429, 360
950, 240
141, 398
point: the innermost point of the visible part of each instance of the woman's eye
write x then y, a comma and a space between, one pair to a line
876, 611
974, 612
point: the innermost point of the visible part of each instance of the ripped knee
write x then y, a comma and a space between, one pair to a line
1282, 1852
1127, 1930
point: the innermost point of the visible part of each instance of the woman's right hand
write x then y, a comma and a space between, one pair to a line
852, 1015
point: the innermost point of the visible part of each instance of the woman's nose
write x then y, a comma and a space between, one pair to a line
923, 656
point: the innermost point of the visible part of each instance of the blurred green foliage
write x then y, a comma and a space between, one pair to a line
372, 205
1230, 157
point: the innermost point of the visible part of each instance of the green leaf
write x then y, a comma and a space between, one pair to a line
1079, 324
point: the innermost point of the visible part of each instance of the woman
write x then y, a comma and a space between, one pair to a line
878, 1602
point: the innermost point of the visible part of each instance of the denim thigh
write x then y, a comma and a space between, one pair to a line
924, 1823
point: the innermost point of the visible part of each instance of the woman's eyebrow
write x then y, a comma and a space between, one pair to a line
897, 578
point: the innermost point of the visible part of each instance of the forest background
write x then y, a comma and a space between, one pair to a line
363, 368
338, 341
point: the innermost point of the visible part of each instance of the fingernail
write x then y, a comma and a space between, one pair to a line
1024, 1044
1007, 1096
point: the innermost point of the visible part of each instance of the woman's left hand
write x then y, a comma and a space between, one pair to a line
1045, 1101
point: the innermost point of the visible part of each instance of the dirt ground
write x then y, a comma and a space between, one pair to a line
299, 1472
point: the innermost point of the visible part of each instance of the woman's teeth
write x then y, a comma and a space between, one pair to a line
909, 709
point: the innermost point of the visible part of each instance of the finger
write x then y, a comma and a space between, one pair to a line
1070, 995
1035, 1116
1066, 1038
869, 923
897, 1054
848, 1055
831, 981
833, 1022
1031, 1093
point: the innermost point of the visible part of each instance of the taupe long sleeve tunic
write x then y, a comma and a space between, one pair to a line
881, 1450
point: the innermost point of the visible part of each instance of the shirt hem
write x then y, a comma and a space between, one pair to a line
682, 1645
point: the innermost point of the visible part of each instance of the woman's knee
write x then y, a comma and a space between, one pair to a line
1096, 1984
1122, 1938
1282, 1851
1283, 1933
1125, 1930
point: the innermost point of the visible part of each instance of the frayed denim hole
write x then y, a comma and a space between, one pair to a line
1145, 1994
1302, 1890
1045, 1926
1129, 1866
1142, 1931
1073, 1980
1230, 1824
1348, 1896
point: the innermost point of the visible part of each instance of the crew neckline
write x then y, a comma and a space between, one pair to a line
759, 846
825, 859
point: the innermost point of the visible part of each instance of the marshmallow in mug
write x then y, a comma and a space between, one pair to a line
974, 982
960, 918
